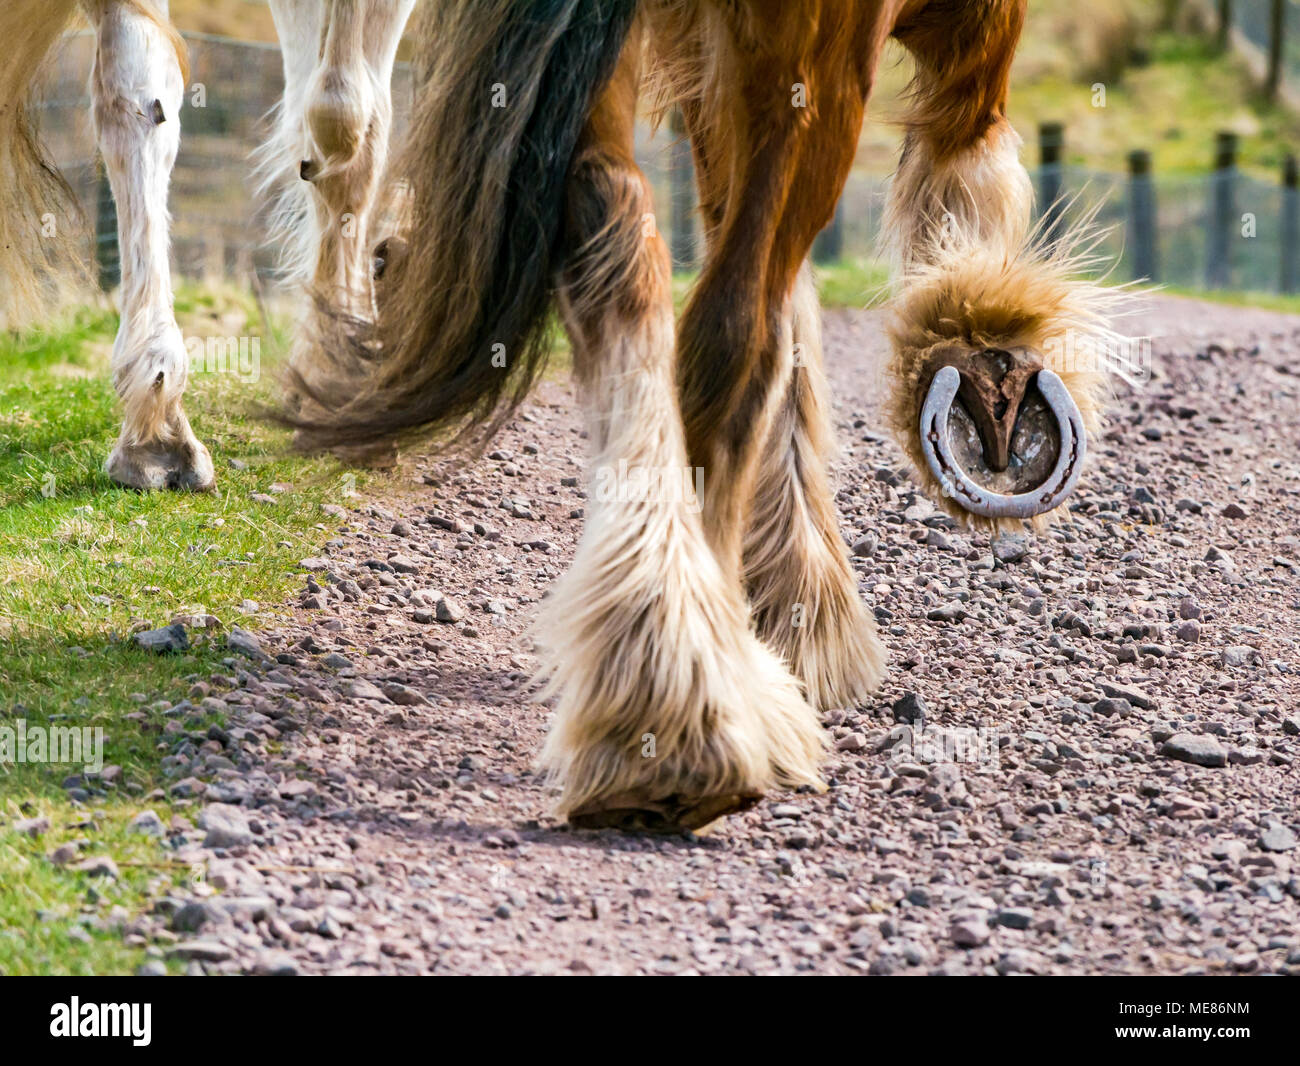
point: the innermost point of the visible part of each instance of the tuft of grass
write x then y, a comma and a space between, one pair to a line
84, 564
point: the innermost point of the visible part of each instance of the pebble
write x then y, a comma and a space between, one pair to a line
146, 823
1277, 837
449, 610
1135, 696
910, 708
969, 933
1010, 547
167, 640
226, 826
1201, 750
245, 643
98, 866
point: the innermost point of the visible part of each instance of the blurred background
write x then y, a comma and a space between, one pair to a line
1175, 119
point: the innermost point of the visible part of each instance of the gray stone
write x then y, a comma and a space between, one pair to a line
1015, 918
168, 640
1238, 655
1010, 547
1277, 837
98, 866
449, 610
969, 932
910, 708
358, 688
1201, 750
1135, 696
227, 827
147, 823
200, 950
404, 695
953, 611
243, 642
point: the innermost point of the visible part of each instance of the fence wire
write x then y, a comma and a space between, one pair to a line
218, 230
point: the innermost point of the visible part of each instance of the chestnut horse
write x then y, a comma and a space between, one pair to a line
689, 650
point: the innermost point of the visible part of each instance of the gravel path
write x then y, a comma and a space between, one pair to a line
1104, 779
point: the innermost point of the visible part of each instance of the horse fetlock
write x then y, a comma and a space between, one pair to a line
338, 116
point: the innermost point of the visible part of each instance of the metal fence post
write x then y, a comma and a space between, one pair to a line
1051, 148
1276, 36
1223, 212
1142, 216
1290, 223
681, 179
108, 257
829, 246
1223, 31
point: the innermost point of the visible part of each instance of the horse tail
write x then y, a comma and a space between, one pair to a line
39, 218
504, 88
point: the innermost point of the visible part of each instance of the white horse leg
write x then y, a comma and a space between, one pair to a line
332, 133
329, 149
293, 225
137, 86
349, 118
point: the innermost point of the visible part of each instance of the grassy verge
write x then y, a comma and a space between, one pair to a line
82, 565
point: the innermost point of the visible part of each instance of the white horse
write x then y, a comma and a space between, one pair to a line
323, 164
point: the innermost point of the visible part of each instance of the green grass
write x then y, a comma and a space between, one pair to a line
1268, 301
82, 564
1169, 96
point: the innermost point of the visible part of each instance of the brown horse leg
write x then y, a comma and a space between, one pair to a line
669, 711
979, 300
753, 384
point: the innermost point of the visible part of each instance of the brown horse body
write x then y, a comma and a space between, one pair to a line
689, 652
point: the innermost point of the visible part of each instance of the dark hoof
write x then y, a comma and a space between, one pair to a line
675, 814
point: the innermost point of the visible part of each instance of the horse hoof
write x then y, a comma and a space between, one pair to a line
149, 467
634, 813
1001, 434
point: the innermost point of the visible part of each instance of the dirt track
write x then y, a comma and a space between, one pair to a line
392, 751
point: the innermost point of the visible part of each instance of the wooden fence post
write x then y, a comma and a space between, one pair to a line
1051, 149
1223, 32
1290, 223
108, 257
1276, 36
1142, 216
1222, 213
681, 179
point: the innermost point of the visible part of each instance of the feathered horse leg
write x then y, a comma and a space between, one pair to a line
997, 350
774, 112
669, 712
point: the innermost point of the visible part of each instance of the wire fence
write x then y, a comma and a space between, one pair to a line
218, 229
1254, 23
1224, 229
